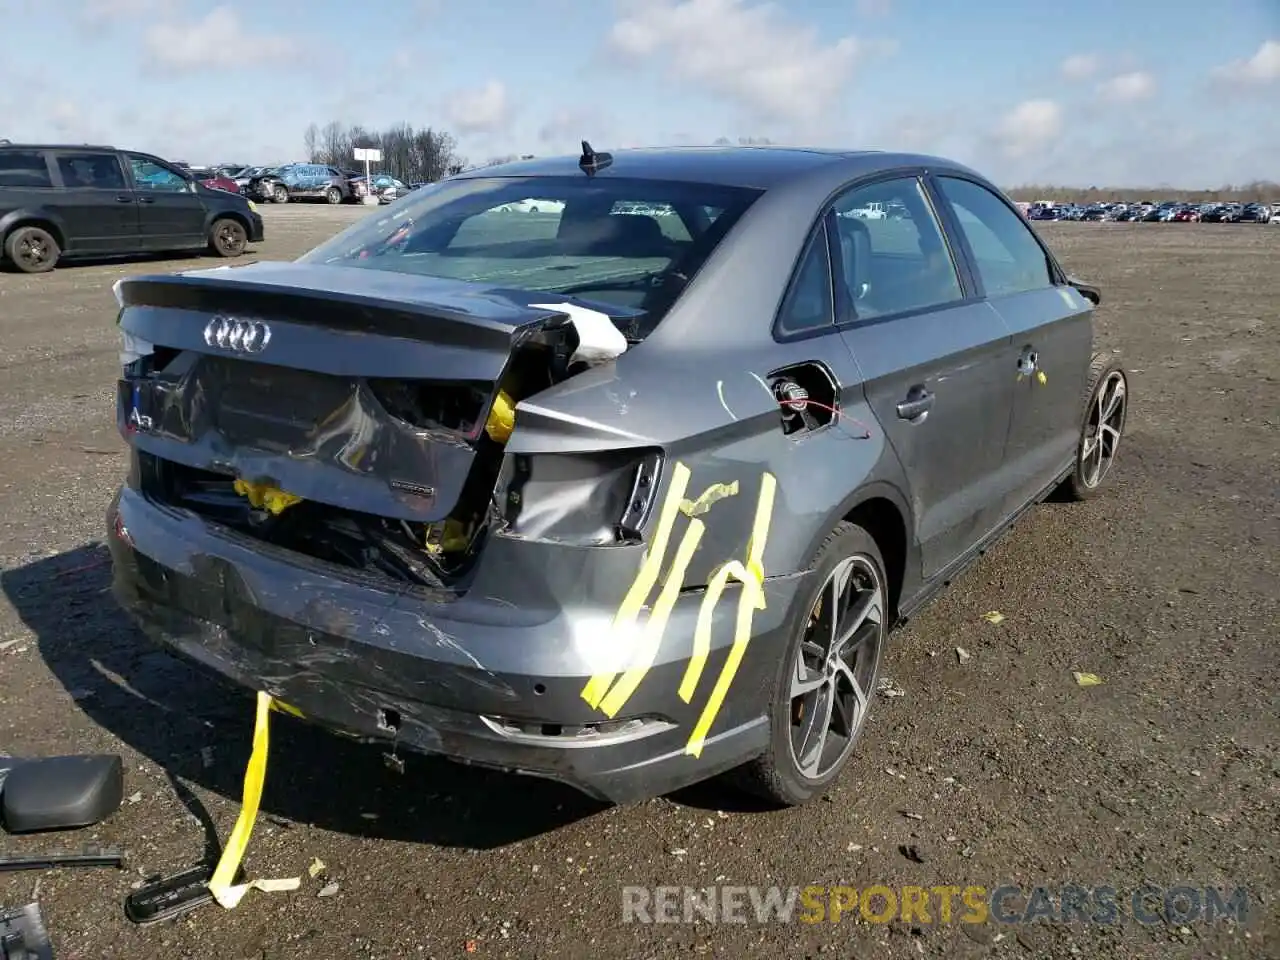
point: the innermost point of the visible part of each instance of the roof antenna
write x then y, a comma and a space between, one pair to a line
592, 162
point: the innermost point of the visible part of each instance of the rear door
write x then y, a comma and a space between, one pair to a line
1052, 327
171, 213
935, 361
97, 204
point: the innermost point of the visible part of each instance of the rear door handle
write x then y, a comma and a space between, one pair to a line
121, 198
918, 403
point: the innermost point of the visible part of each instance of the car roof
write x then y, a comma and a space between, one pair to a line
761, 167
54, 146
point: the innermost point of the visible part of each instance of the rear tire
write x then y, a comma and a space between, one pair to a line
1106, 409
227, 237
823, 677
32, 250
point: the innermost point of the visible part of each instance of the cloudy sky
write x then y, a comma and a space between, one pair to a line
1146, 92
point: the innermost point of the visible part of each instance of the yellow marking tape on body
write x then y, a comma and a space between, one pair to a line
710, 496
651, 639
752, 598
224, 891
645, 579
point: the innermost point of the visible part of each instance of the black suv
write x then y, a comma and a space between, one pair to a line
64, 202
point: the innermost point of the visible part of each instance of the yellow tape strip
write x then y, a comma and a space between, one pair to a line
651, 639
708, 498
227, 894
645, 579
752, 598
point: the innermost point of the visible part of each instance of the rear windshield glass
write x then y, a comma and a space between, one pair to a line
625, 242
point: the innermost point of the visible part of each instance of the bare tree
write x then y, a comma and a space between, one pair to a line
411, 155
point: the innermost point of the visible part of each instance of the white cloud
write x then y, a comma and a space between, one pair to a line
480, 110
217, 40
873, 8
1263, 67
1029, 128
750, 54
1128, 87
98, 11
1081, 66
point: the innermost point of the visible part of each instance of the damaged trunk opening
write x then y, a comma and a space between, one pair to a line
399, 476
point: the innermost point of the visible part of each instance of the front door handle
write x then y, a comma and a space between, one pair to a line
918, 403
146, 200
122, 198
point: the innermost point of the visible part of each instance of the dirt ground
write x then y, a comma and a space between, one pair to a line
999, 769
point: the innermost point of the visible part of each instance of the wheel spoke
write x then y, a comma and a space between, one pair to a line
868, 607
815, 737
1114, 399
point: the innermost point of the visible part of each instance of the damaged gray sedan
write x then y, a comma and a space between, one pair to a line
626, 492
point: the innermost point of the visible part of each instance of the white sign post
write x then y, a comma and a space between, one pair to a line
368, 154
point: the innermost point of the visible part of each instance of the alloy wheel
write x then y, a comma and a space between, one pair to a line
836, 666
33, 251
1103, 431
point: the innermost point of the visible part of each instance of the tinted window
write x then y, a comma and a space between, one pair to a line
893, 255
149, 175
808, 302
95, 171
577, 236
1006, 253
23, 169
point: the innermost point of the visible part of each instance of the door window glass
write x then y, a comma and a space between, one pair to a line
808, 303
894, 258
1006, 253
20, 168
91, 171
149, 175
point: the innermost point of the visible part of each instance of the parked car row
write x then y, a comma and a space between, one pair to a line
302, 181
1168, 211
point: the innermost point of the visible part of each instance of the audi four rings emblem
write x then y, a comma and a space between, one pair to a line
242, 336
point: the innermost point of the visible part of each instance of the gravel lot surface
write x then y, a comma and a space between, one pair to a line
997, 769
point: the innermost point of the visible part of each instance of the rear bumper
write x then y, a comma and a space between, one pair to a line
492, 681
257, 230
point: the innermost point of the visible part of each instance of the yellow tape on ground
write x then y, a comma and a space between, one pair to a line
752, 598
645, 579
651, 639
224, 891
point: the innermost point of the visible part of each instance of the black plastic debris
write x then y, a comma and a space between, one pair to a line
23, 935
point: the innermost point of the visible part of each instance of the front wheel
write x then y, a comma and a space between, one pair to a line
333, 195
1101, 429
279, 193
827, 680
228, 238
32, 250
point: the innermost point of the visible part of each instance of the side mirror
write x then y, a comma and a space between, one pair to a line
1087, 290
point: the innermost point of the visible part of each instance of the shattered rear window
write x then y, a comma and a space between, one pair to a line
630, 242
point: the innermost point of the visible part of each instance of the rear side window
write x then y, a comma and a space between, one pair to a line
23, 169
808, 303
92, 171
1006, 253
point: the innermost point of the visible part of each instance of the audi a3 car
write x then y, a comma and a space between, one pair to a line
620, 499
61, 203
